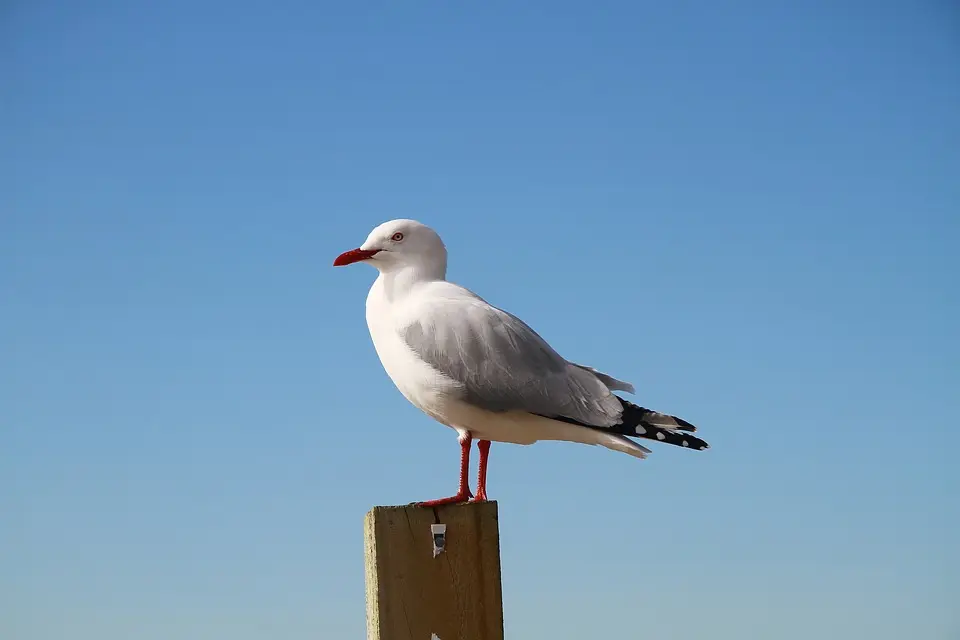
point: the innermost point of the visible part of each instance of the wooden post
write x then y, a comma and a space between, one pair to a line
414, 595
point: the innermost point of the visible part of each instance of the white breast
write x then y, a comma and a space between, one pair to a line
425, 388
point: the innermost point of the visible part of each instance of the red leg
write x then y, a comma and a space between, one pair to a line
484, 446
463, 493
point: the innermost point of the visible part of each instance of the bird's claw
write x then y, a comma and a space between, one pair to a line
460, 498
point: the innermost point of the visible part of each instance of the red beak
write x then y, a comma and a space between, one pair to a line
354, 255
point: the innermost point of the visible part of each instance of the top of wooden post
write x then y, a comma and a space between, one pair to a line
413, 594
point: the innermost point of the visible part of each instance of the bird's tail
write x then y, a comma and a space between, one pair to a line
640, 422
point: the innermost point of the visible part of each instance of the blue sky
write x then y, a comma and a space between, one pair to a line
748, 209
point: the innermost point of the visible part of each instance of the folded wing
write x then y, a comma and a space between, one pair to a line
504, 365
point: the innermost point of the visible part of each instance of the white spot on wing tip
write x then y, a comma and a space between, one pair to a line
640, 430
660, 436
686, 444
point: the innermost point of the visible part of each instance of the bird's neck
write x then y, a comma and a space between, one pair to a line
397, 283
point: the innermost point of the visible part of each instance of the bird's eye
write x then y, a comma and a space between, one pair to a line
397, 237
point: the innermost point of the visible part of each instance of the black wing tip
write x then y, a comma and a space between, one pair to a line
638, 414
633, 423
667, 436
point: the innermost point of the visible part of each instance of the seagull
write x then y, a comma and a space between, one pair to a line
482, 371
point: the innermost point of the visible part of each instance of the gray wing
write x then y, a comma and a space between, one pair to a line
502, 364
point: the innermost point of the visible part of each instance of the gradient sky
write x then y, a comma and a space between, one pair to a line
748, 209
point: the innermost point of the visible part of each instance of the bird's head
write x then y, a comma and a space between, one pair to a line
397, 244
